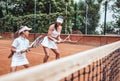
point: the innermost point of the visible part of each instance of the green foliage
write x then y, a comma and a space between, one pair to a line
21, 13
43, 21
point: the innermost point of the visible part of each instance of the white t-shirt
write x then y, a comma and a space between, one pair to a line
19, 59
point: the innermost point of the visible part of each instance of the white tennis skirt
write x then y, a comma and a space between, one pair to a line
19, 59
49, 43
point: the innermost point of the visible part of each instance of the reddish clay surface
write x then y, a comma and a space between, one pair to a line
35, 56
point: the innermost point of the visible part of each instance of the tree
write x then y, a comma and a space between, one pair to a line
1, 13
92, 16
116, 10
3, 8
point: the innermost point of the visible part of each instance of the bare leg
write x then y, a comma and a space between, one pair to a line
46, 50
26, 66
56, 51
13, 69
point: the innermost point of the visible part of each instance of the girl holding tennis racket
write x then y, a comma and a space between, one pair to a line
53, 37
19, 46
14, 36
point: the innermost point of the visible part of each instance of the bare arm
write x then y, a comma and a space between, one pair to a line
50, 30
13, 49
59, 30
20, 51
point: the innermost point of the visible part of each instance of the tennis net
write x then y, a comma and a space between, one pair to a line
105, 69
98, 64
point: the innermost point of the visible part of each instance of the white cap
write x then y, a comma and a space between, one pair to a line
59, 19
24, 28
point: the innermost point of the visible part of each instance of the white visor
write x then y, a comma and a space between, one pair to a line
24, 28
60, 20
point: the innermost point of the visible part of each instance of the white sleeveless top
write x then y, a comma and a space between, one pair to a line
50, 43
55, 33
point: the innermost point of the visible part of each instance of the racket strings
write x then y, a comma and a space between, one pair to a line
68, 40
37, 41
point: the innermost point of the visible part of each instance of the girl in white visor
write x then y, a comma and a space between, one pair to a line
19, 46
53, 37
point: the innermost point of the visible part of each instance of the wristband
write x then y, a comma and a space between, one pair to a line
58, 41
55, 40
18, 51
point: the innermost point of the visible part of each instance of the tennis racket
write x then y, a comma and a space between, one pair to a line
36, 42
68, 40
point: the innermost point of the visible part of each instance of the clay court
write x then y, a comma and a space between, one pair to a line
35, 56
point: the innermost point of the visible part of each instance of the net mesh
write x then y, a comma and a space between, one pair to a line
105, 69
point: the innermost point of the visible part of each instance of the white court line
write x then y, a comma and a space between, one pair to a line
4, 49
7, 48
38, 53
41, 54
